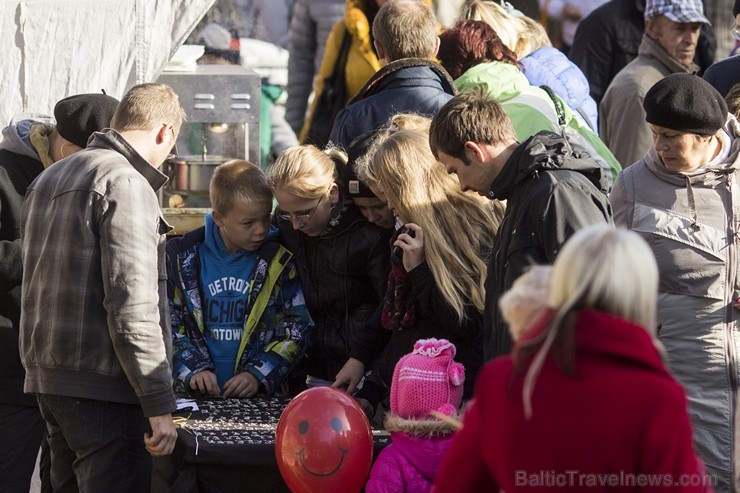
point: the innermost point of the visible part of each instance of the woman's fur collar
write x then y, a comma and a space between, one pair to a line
420, 428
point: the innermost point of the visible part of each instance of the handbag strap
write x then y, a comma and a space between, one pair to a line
343, 54
558, 104
559, 110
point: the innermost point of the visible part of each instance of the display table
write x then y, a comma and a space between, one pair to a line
228, 445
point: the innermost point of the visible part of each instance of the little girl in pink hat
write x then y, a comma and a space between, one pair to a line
424, 381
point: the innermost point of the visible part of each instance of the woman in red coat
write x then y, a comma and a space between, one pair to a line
585, 402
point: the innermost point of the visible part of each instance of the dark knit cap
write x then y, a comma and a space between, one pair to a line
686, 103
80, 115
357, 149
736, 8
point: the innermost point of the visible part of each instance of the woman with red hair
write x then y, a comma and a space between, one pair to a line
474, 55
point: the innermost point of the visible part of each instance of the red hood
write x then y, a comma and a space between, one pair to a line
603, 336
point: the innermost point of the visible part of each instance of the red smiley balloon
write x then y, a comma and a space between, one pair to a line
323, 442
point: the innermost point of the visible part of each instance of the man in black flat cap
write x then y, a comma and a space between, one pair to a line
683, 198
27, 148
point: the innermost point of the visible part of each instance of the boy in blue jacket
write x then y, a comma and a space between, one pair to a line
239, 319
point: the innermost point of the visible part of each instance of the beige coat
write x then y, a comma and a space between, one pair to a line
622, 124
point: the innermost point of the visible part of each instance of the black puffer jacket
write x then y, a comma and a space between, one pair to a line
550, 195
343, 275
411, 85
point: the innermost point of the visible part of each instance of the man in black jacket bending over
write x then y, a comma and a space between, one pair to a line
550, 192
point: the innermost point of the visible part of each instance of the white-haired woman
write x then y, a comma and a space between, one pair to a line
585, 401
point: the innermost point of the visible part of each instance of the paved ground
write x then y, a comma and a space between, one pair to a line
35, 482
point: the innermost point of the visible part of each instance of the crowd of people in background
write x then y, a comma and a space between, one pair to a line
513, 242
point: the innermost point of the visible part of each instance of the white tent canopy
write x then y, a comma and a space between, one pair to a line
55, 48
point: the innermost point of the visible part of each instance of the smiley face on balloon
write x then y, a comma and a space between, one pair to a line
323, 442
304, 427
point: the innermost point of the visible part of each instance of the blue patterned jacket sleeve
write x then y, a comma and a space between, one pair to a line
281, 337
190, 356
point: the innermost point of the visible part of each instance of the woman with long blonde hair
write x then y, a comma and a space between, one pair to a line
439, 257
586, 392
422, 194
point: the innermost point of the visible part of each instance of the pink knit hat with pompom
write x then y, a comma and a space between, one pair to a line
427, 379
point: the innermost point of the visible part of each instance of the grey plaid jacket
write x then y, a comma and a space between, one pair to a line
94, 300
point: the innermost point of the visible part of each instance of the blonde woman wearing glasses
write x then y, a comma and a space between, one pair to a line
342, 259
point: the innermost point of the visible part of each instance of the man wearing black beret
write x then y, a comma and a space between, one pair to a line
27, 148
81, 115
683, 198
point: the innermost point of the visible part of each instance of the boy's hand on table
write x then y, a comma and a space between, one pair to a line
242, 385
206, 382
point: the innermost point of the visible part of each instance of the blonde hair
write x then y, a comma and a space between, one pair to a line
146, 106
601, 267
527, 294
306, 171
409, 121
521, 34
237, 181
402, 165
399, 121
609, 269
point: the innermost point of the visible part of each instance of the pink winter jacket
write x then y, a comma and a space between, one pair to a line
409, 464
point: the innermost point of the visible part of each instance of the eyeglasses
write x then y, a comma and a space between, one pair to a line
736, 31
301, 217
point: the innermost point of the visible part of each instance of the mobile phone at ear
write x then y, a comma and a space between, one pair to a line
397, 252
